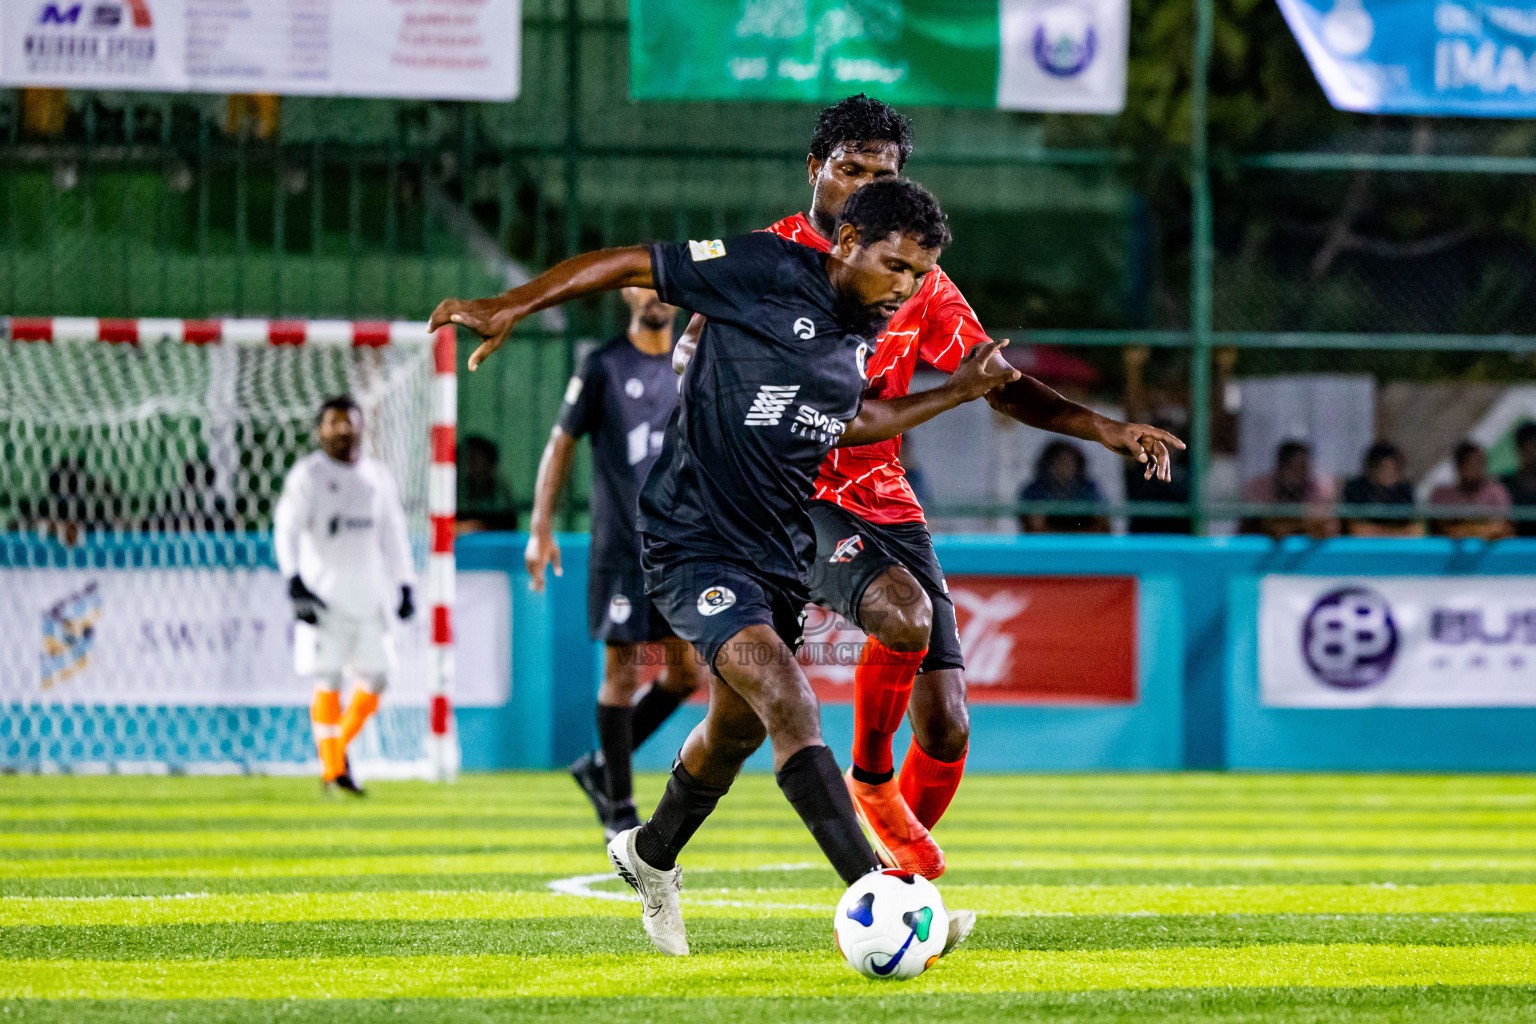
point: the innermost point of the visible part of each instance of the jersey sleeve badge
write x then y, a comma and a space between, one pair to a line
710, 250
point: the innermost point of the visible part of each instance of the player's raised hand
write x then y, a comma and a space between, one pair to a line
542, 550
492, 319
1146, 444
982, 369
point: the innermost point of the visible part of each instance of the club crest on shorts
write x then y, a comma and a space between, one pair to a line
847, 549
619, 609
715, 600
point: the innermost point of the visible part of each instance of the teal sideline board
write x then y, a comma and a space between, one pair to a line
556, 669
1197, 645
1197, 640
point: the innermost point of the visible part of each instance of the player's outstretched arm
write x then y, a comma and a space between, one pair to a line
979, 372
1035, 405
493, 318
687, 344
554, 470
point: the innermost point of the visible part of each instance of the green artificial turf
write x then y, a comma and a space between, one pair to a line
1101, 898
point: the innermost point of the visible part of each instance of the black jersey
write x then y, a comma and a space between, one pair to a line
776, 377
622, 398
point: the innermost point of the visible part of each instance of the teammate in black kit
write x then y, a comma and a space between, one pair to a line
775, 384
622, 395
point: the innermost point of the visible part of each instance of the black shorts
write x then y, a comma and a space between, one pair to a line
851, 552
707, 601
618, 612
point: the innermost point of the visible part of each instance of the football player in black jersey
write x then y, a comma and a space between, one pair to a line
775, 384
621, 397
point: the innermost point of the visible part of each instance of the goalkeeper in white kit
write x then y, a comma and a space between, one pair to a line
342, 544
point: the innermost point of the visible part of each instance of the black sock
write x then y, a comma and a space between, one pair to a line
613, 731
679, 813
815, 789
653, 707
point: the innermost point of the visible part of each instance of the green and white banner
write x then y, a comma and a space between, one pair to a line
1058, 55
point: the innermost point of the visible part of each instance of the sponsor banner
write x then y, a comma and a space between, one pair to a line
434, 49
1026, 640
1420, 56
1397, 641
209, 637
1062, 55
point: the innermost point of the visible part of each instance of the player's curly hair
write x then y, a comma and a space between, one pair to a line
897, 206
861, 119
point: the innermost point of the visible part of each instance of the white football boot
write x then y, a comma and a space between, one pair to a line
659, 893
960, 924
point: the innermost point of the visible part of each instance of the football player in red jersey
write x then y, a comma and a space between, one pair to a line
875, 563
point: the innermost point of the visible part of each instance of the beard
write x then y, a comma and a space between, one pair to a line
868, 320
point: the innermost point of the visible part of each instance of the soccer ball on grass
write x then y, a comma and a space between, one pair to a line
891, 924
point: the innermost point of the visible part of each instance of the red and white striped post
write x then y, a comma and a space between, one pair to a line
442, 495
442, 492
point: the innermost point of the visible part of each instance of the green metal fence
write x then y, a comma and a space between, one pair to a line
1097, 234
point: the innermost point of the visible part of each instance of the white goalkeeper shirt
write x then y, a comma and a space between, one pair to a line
340, 527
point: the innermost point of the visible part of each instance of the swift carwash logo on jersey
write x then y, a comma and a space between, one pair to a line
100, 38
815, 425
69, 635
769, 404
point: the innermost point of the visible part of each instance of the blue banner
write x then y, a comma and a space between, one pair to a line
1420, 56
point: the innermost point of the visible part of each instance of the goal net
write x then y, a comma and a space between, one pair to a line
144, 626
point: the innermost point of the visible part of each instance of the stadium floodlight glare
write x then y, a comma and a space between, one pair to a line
143, 623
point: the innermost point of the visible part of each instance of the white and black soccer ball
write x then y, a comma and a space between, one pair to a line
891, 924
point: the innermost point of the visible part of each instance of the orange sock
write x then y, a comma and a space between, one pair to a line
881, 686
325, 716
364, 704
929, 785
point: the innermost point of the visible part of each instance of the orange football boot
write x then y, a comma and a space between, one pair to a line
899, 838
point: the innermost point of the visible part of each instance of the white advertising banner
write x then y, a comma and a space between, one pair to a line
1397, 641
1063, 55
432, 49
210, 637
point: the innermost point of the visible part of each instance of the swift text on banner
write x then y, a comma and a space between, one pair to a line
209, 637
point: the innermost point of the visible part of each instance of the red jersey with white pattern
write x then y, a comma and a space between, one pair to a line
936, 326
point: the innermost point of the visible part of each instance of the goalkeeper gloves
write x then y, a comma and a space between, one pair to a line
307, 605
407, 605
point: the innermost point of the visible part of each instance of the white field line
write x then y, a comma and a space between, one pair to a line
581, 885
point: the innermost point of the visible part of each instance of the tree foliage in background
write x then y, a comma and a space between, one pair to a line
1334, 251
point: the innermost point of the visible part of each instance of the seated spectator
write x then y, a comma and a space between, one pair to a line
1475, 489
1521, 484
1061, 474
1381, 483
485, 500
1293, 483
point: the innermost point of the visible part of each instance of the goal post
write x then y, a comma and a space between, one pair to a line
143, 623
